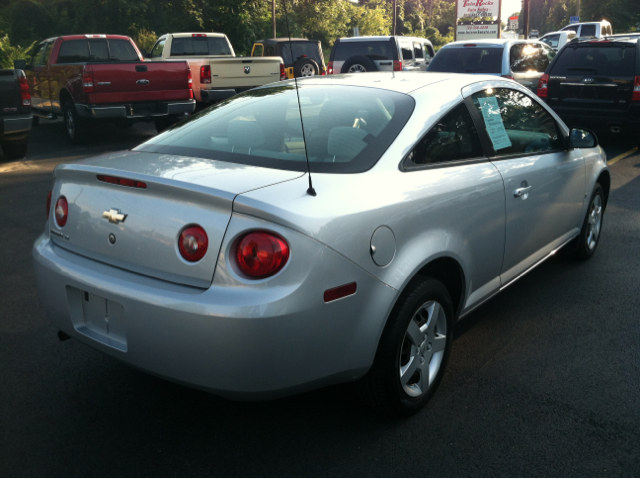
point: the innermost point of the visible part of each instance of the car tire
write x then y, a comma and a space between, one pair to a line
305, 67
14, 149
75, 127
358, 64
584, 246
413, 351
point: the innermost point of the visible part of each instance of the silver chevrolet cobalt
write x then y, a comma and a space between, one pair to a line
202, 256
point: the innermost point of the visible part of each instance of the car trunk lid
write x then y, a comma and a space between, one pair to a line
178, 192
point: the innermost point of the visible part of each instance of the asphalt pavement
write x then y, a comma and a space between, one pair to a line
544, 379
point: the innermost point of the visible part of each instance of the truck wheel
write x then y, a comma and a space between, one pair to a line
14, 150
75, 127
305, 67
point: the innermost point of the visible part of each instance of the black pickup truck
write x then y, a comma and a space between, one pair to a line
15, 113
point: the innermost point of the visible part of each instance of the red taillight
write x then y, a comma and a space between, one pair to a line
340, 292
190, 82
397, 65
61, 211
283, 72
114, 180
261, 254
205, 74
25, 95
87, 82
193, 243
636, 90
543, 84
330, 68
510, 77
469, 45
48, 203
198, 35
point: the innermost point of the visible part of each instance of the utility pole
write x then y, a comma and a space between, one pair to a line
395, 17
273, 16
525, 20
577, 8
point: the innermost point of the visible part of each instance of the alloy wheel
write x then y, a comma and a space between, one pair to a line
594, 222
357, 68
423, 348
307, 70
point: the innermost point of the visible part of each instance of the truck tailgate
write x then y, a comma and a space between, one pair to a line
140, 82
244, 71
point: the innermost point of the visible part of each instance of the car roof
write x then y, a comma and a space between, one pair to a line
91, 36
489, 42
401, 82
188, 34
273, 41
604, 41
379, 38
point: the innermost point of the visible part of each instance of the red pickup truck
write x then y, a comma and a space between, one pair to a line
103, 77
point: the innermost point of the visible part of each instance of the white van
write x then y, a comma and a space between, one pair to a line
590, 29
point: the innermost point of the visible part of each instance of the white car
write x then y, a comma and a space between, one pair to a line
557, 40
590, 29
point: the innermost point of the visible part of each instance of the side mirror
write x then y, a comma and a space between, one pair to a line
581, 138
20, 64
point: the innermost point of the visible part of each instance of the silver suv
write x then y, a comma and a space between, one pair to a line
382, 53
521, 60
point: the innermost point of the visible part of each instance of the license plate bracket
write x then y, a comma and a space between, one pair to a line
102, 320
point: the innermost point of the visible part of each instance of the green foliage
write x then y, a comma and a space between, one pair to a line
9, 53
145, 39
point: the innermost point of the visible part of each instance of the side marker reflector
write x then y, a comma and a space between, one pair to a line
340, 292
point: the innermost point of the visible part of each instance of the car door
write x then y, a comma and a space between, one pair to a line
544, 181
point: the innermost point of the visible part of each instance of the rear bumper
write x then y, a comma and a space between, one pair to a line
133, 110
599, 119
219, 94
15, 125
241, 342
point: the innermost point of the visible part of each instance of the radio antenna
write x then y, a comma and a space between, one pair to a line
310, 190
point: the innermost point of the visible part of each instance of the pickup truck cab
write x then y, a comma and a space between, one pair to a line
599, 29
104, 77
15, 113
217, 72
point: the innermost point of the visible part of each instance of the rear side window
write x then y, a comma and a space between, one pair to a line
588, 31
526, 57
606, 59
453, 138
551, 40
407, 51
156, 52
418, 52
516, 124
346, 128
258, 50
373, 50
467, 60
191, 46
74, 51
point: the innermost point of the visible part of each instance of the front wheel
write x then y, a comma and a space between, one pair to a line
587, 241
413, 350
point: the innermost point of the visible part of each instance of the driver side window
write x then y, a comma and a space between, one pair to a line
36, 58
516, 123
156, 51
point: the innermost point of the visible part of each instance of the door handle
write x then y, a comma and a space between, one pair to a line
522, 192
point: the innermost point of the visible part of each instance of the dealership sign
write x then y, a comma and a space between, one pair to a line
474, 32
468, 9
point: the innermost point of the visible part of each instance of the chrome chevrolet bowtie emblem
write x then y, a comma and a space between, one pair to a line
114, 216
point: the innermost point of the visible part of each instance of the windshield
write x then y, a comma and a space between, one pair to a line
346, 128
467, 60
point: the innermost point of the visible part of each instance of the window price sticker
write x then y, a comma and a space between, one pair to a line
493, 121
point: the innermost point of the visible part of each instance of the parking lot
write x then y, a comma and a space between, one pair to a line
542, 381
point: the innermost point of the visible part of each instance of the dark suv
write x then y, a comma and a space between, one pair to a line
307, 59
596, 83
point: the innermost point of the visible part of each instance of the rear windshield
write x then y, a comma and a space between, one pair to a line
605, 59
189, 46
300, 50
373, 50
588, 30
525, 57
86, 51
346, 128
467, 60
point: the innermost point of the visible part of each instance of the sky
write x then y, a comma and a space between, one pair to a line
509, 7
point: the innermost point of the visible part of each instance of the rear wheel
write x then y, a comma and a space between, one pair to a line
75, 127
413, 350
14, 149
305, 67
